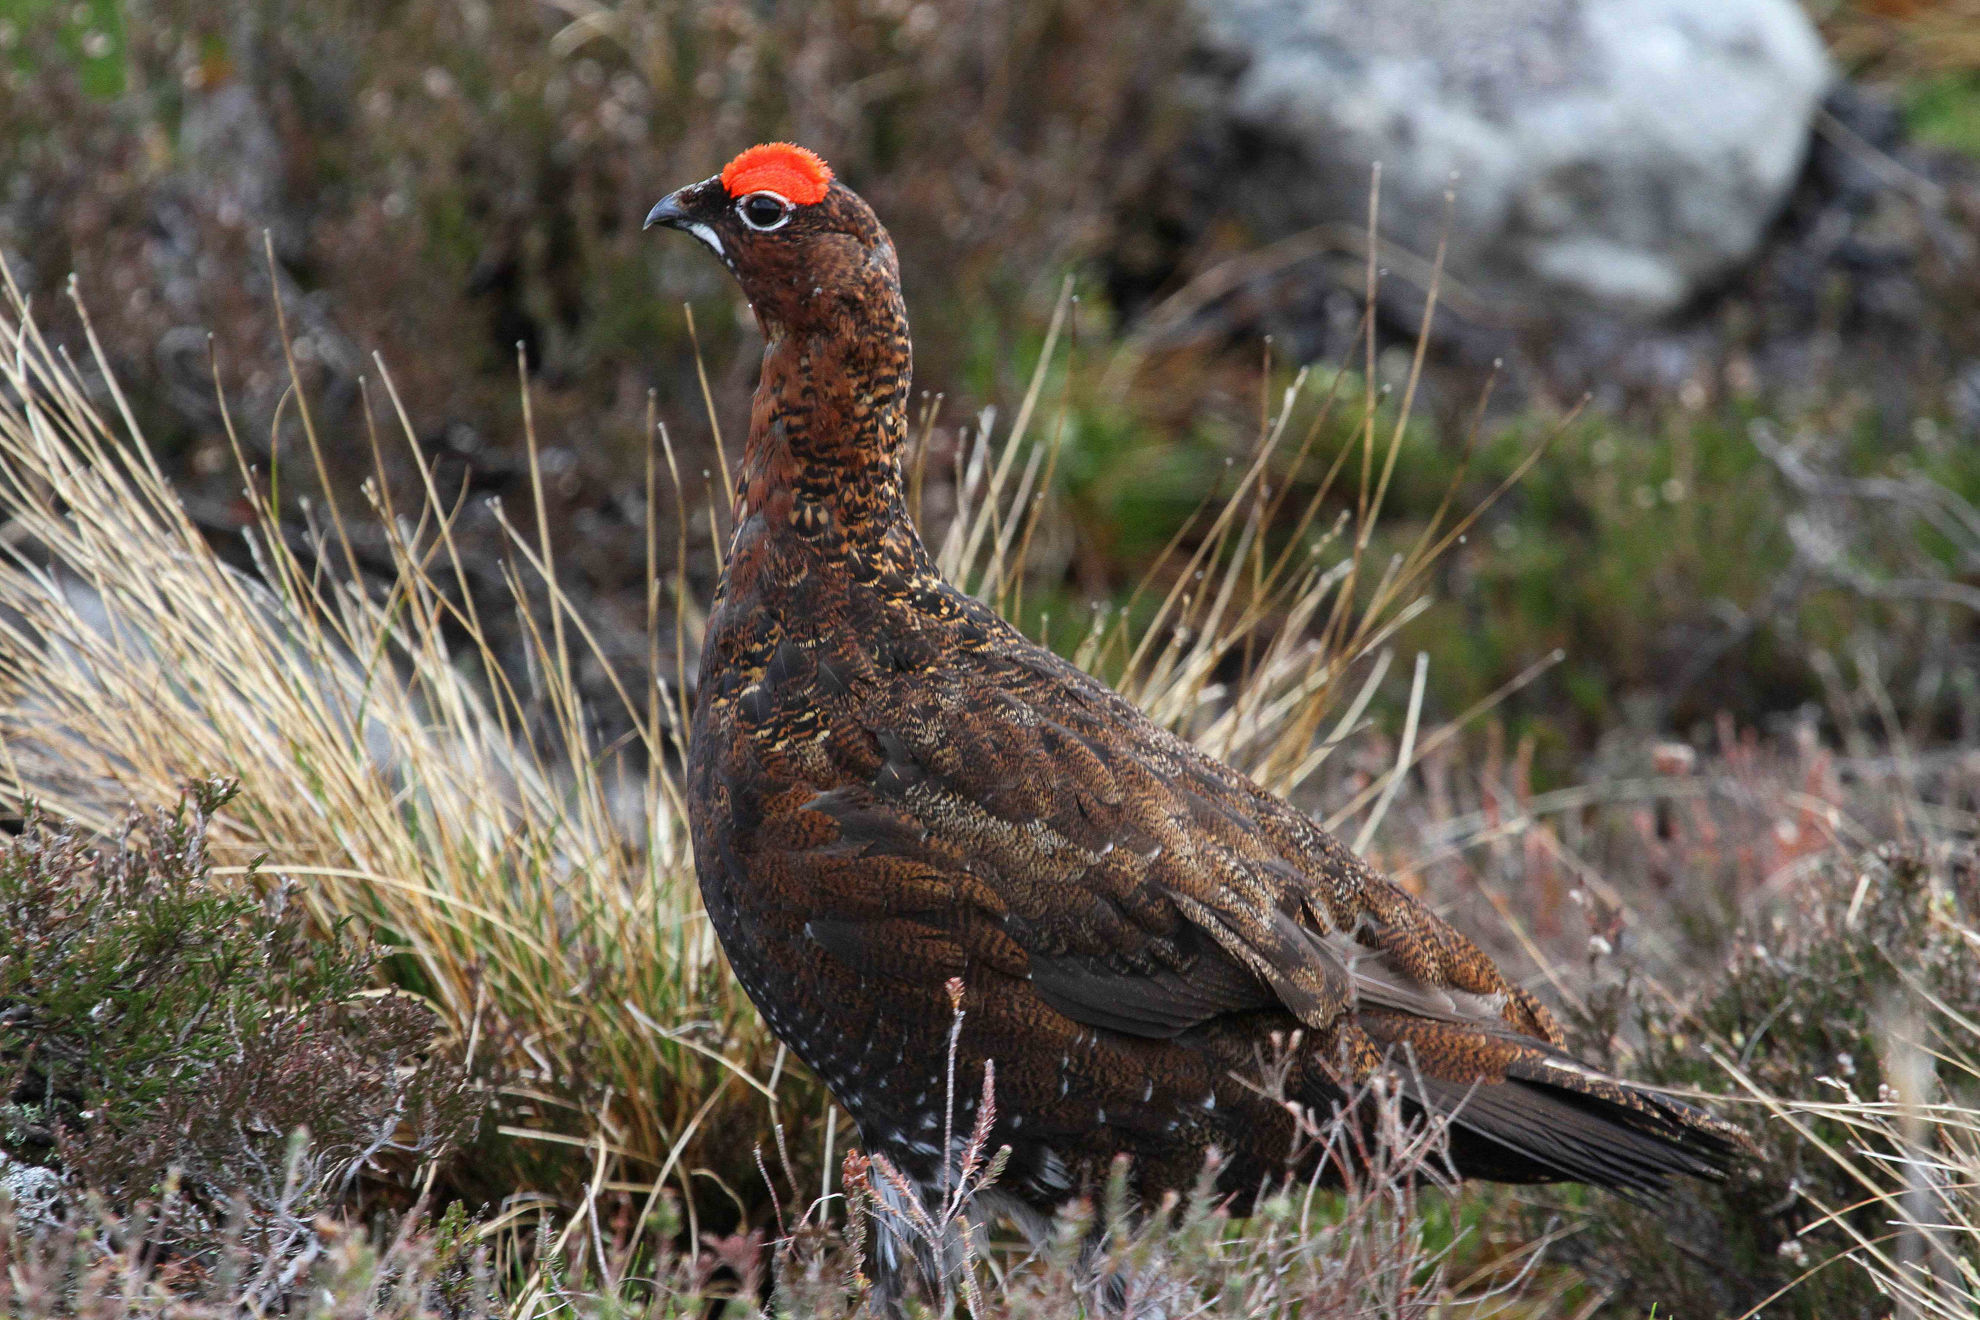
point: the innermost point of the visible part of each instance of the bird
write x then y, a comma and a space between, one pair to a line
936, 852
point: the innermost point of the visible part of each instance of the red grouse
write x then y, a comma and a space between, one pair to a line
891, 787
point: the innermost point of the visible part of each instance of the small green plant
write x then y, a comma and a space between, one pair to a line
166, 1038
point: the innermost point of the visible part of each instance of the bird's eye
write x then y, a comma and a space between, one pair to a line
763, 210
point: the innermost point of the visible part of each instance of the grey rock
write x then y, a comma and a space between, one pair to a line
37, 1195
1616, 155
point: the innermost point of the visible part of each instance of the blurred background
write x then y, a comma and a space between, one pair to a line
1741, 231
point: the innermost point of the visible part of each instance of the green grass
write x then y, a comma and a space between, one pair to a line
89, 37
1944, 110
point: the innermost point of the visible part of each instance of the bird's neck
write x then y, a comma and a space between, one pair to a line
827, 427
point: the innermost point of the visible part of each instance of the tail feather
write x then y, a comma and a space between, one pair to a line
1521, 1110
1523, 1131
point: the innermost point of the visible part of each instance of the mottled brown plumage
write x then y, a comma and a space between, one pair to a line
890, 787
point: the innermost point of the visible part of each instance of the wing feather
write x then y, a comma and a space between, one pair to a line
1150, 889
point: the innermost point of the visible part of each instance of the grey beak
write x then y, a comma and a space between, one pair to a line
667, 211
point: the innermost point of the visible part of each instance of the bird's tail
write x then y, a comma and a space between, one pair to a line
1521, 1110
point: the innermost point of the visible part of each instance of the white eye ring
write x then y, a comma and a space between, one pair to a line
783, 213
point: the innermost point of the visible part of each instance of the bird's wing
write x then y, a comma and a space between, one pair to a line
1050, 829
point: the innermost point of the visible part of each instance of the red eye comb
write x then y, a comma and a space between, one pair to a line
779, 167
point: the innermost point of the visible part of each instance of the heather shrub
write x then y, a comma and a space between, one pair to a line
170, 1039
1378, 1247
1845, 1020
102, 1267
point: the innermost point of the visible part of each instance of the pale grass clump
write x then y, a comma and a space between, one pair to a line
540, 894
1897, 1136
537, 885
1816, 985
1911, 1155
391, 768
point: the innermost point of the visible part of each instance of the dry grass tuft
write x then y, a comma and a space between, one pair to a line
1747, 940
382, 759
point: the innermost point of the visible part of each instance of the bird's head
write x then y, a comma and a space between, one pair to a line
807, 251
